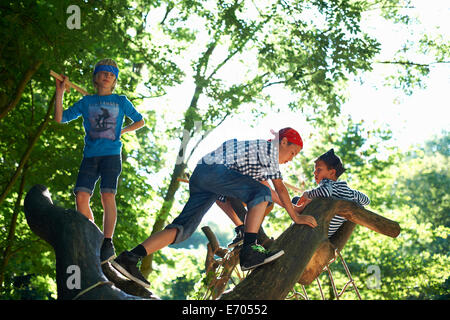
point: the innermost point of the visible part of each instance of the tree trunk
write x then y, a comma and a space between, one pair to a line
19, 90
12, 230
300, 242
32, 142
76, 241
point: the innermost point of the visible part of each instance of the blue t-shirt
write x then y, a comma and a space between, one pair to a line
102, 120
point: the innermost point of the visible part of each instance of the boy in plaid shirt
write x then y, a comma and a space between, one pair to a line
232, 170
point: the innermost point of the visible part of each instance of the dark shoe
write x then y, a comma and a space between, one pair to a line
239, 239
107, 252
126, 263
252, 256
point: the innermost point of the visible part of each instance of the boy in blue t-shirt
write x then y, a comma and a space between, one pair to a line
327, 169
103, 114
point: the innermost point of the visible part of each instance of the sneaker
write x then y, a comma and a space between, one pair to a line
239, 239
126, 263
107, 252
255, 255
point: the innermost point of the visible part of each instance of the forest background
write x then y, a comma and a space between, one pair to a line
367, 78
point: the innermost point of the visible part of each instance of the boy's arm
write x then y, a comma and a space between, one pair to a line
361, 198
320, 192
60, 88
131, 112
302, 203
132, 127
285, 200
228, 209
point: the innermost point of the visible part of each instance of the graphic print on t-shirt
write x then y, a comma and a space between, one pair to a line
103, 120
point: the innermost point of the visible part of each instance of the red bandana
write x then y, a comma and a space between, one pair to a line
291, 135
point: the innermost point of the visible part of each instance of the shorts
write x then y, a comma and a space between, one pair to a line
205, 184
108, 168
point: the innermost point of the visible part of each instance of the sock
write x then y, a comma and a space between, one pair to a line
249, 238
106, 240
139, 250
239, 229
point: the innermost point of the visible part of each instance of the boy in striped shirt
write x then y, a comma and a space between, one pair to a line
328, 168
232, 170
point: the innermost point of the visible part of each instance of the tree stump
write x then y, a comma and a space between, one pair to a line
299, 242
76, 241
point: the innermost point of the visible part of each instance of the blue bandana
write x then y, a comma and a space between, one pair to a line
107, 68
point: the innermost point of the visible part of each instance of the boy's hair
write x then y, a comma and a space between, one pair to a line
104, 62
332, 161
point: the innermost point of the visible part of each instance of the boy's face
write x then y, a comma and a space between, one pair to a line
287, 151
105, 79
321, 172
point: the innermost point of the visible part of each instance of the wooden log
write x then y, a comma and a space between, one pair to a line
300, 242
76, 241
359, 215
326, 252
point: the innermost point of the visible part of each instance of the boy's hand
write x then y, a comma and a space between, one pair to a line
61, 85
305, 219
301, 204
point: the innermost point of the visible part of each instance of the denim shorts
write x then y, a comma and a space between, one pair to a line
108, 168
205, 185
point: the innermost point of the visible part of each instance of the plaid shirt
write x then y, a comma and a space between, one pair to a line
255, 158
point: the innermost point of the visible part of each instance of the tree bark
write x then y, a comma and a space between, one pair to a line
76, 241
299, 242
20, 88
12, 230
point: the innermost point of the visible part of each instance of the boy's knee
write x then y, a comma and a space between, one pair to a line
180, 233
108, 196
82, 196
262, 195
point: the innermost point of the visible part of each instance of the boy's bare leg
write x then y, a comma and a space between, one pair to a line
250, 256
82, 204
255, 217
226, 207
159, 240
110, 214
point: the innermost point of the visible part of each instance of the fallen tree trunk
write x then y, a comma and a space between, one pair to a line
326, 252
299, 242
76, 241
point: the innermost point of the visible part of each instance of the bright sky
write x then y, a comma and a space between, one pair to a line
413, 119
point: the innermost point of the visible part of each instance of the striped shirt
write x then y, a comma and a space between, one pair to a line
255, 158
338, 190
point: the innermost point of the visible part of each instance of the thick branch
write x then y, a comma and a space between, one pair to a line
300, 242
76, 241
